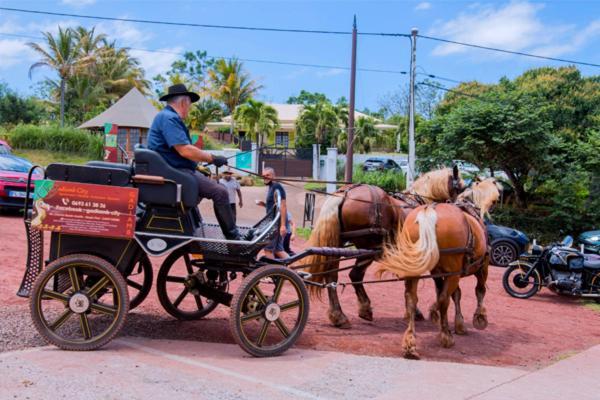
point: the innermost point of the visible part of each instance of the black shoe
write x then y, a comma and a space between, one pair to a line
226, 221
250, 235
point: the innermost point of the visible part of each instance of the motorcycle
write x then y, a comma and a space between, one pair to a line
559, 267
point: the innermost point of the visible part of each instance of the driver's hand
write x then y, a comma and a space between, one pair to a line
219, 161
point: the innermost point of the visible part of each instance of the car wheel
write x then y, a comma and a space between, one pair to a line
503, 253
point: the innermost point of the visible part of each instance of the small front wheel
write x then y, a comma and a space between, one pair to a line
517, 284
269, 311
79, 302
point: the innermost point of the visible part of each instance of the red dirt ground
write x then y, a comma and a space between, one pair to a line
522, 333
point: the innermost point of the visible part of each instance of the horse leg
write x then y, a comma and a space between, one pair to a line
459, 321
450, 285
335, 313
409, 343
357, 274
434, 310
480, 317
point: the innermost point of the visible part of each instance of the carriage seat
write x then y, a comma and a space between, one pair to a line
95, 174
150, 163
105, 164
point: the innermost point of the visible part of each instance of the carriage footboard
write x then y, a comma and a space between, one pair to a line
35, 258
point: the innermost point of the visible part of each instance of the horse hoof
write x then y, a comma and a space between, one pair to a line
366, 315
411, 354
446, 340
460, 329
419, 315
339, 320
480, 321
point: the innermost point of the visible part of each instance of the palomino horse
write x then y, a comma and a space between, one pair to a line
444, 239
366, 216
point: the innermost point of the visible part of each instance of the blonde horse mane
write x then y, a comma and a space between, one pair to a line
433, 186
483, 194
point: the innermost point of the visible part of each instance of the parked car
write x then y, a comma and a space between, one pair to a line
380, 164
507, 244
467, 166
590, 241
5, 149
13, 180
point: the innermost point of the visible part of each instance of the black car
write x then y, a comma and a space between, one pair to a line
380, 164
590, 241
507, 244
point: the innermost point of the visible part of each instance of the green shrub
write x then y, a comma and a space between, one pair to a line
56, 139
390, 181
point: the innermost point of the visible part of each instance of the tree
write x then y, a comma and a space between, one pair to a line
63, 55
258, 119
229, 84
318, 123
191, 70
308, 98
204, 111
427, 97
15, 109
366, 136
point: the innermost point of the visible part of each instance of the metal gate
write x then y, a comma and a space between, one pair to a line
287, 161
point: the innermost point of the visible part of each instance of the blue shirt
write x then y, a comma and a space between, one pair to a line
274, 187
168, 130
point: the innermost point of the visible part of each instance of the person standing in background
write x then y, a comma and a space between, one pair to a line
232, 186
290, 236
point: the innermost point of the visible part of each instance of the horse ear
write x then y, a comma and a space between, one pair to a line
477, 178
455, 172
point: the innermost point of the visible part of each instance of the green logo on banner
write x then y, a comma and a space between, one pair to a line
42, 188
110, 140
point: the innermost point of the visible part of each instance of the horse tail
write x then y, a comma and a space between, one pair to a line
326, 233
408, 258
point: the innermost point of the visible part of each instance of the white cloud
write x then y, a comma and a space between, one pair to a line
330, 72
157, 63
13, 52
514, 26
78, 3
424, 5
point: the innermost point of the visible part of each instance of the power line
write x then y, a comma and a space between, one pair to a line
439, 77
276, 62
195, 25
519, 53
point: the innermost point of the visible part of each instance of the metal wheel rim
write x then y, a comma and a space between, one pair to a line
91, 292
245, 317
503, 254
515, 275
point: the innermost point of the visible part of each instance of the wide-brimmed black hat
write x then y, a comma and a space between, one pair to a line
179, 90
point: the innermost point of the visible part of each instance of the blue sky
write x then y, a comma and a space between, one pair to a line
564, 29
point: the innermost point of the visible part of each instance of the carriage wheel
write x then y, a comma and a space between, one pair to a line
269, 311
79, 302
139, 281
176, 286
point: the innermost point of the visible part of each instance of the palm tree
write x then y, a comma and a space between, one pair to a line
229, 84
63, 55
318, 120
365, 136
118, 72
88, 41
204, 111
257, 118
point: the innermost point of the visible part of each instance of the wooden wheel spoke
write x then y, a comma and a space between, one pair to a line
98, 286
290, 305
103, 309
74, 279
188, 264
55, 295
282, 328
198, 302
180, 298
85, 326
178, 279
251, 316
134, 284
278, 287
61, 320
263, 333
261, 297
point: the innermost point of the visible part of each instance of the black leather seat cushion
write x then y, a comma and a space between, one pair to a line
98, 175
106, 164
149, 162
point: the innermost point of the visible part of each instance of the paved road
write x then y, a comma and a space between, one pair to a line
131, 368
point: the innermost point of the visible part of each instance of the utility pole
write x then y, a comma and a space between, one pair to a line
349, 147
411, 111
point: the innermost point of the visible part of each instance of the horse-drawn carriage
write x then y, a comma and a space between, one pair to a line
105, 219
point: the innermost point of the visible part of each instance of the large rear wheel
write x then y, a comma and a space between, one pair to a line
269, 311
79, 302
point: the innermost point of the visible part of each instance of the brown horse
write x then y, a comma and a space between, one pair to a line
442, 239
366, 216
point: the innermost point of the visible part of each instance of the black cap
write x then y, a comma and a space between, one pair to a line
179, 90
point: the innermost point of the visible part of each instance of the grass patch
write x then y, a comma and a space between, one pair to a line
315, 186
44, 157
303, 233
592, 305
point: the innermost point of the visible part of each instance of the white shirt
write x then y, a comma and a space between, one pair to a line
232, 186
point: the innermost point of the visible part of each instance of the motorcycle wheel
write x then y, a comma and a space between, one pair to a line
515, 285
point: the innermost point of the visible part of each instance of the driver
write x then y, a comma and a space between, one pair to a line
169, 137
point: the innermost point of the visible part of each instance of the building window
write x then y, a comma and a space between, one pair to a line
282, 139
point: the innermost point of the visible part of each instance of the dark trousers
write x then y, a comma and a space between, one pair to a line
233, 211
210, 189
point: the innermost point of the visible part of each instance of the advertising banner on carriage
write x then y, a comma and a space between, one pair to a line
84, 209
